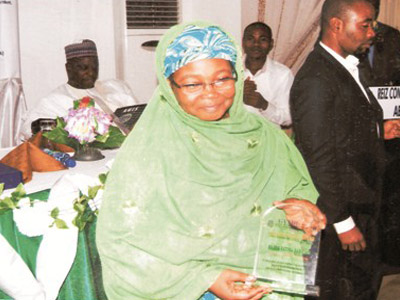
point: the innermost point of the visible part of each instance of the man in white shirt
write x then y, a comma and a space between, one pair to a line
268, 82
338, 127
82, 68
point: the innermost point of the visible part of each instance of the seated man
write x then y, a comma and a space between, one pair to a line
268, 82
82, 69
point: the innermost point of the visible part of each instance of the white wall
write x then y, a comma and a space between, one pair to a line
46, 26
226, 13
249, 12
139, 70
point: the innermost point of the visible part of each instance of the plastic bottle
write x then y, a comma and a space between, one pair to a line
62, 157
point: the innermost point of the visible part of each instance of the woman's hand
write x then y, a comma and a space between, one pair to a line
231, 285
304, 215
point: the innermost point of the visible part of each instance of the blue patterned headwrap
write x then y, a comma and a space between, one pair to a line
195, 43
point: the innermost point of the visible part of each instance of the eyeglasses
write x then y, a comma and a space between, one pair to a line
219, 85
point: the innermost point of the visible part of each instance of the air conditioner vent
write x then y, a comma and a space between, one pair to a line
149, 14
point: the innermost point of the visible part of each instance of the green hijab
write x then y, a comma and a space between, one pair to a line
183, 197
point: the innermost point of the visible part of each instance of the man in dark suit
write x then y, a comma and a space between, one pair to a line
338, 128
380, 65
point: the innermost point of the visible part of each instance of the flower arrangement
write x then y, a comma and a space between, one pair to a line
86, 126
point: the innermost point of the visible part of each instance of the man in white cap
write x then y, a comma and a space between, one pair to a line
82, 68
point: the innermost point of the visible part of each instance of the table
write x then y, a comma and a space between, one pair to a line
43, 181
84, 279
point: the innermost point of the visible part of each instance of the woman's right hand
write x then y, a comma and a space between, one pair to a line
234, 285
303, 215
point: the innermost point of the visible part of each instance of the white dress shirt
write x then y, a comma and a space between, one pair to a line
274, 81
350, 63
116, 93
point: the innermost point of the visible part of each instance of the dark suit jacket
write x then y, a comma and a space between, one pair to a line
335, 128
385, 69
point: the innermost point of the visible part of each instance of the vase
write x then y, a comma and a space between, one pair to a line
87, 153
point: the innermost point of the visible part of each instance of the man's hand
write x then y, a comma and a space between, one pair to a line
231, 285
391, 129
252, 97
352, 240
303, 215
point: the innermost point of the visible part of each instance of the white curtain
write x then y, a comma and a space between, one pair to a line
12, 100
296, 24
295, 27
390, 13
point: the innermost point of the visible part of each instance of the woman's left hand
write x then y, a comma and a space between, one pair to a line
304, 215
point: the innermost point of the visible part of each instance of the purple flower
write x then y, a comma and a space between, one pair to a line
85, 124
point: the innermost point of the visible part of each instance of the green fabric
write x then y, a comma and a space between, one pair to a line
178, 202
27, 247
84, 280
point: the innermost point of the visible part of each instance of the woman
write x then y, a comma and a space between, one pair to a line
181, 206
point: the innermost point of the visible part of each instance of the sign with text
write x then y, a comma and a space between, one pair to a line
284, 260
389, 99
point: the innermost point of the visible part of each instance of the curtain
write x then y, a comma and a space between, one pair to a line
296, 24
295, 27
12, 100
390, 13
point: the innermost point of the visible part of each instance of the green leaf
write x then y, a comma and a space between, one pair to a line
115, 139
79, 223
60, 224
103, 178
1, 188
19, 192
91, 218
76, 103
256, 210
7, 203
102, 138
54, 213
60, 135
80, 208
251, 143
60, 122
92, 191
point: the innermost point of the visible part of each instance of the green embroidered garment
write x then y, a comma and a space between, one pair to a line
184, 196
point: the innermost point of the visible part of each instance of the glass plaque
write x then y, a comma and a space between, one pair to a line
284, 260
